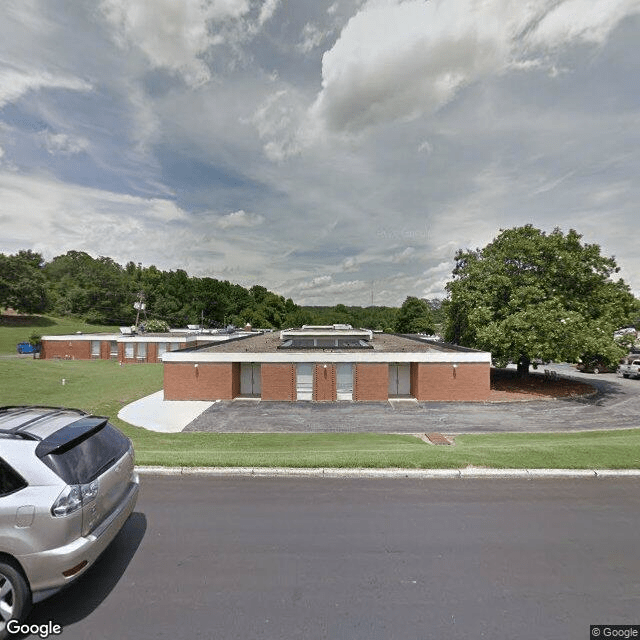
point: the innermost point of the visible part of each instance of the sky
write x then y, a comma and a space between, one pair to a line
333, 151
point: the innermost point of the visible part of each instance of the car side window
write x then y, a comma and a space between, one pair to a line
10, 480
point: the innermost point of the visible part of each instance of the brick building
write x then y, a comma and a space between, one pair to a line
335, 363
128, 347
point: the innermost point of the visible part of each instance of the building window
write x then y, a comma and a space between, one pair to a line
142, 350
113, 349
95, 348
129, 350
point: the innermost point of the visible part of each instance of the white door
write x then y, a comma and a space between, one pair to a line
399, 379
249, 379
344, 381
304, 381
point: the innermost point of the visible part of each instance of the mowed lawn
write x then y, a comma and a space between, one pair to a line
103, 387
15, 329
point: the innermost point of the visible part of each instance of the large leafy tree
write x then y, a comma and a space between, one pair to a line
22, 284
414, 317
529, 294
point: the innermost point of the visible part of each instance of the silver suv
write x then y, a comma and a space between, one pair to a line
67, 486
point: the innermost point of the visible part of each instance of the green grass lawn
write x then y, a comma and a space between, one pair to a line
103, 387
14, 329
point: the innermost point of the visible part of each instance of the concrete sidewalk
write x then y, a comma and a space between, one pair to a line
157, 414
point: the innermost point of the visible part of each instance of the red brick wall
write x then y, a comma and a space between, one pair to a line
207, 381
152, 352
440, 381
278, 381
324, 382
371, 382
68, 349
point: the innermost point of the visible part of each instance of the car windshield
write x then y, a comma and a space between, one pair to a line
85, 459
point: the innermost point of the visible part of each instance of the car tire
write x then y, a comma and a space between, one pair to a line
15, 598
596, 370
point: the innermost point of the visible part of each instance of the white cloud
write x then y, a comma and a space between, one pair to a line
267, 10
172, 35
312, 36
404, 256
398, 60
586, 20
15, 82
278, 121
240, 219
64, 144
56, 217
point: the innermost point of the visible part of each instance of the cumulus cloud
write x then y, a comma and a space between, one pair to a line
172, 35
177, 35
240, 219
398, 60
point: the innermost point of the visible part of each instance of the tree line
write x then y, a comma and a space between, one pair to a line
101, 291
527, 295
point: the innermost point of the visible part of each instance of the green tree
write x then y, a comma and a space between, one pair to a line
530, 295
22, 283
414, 317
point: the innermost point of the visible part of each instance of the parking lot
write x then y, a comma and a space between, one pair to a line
614, 405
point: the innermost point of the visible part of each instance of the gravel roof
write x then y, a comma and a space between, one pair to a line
382, 342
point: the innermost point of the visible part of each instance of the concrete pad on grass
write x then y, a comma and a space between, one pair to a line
157, 414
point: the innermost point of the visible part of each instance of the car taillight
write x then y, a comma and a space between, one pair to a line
73, 497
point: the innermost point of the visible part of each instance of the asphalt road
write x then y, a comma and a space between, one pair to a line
616, 405
283, 558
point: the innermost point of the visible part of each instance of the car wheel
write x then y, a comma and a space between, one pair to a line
596, 370
15, 600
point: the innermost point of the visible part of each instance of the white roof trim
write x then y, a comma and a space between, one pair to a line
117, 337
328, 356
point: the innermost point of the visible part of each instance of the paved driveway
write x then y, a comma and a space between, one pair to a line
615, 406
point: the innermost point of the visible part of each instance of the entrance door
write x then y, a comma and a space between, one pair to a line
249, 379
399, 379
304, 381
344, 381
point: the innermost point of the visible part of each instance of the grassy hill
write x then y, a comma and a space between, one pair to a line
18, 328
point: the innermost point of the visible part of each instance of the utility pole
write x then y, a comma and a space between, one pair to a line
140, 305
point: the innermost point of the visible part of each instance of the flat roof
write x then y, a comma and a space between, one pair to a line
385, 348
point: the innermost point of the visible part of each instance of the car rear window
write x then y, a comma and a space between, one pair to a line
10, 480
84, 459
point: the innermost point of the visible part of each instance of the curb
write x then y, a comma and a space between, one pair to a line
466, 473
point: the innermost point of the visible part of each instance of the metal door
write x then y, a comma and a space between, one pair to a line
249, 379
399, 379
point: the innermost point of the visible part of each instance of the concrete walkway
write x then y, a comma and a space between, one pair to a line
157, 414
